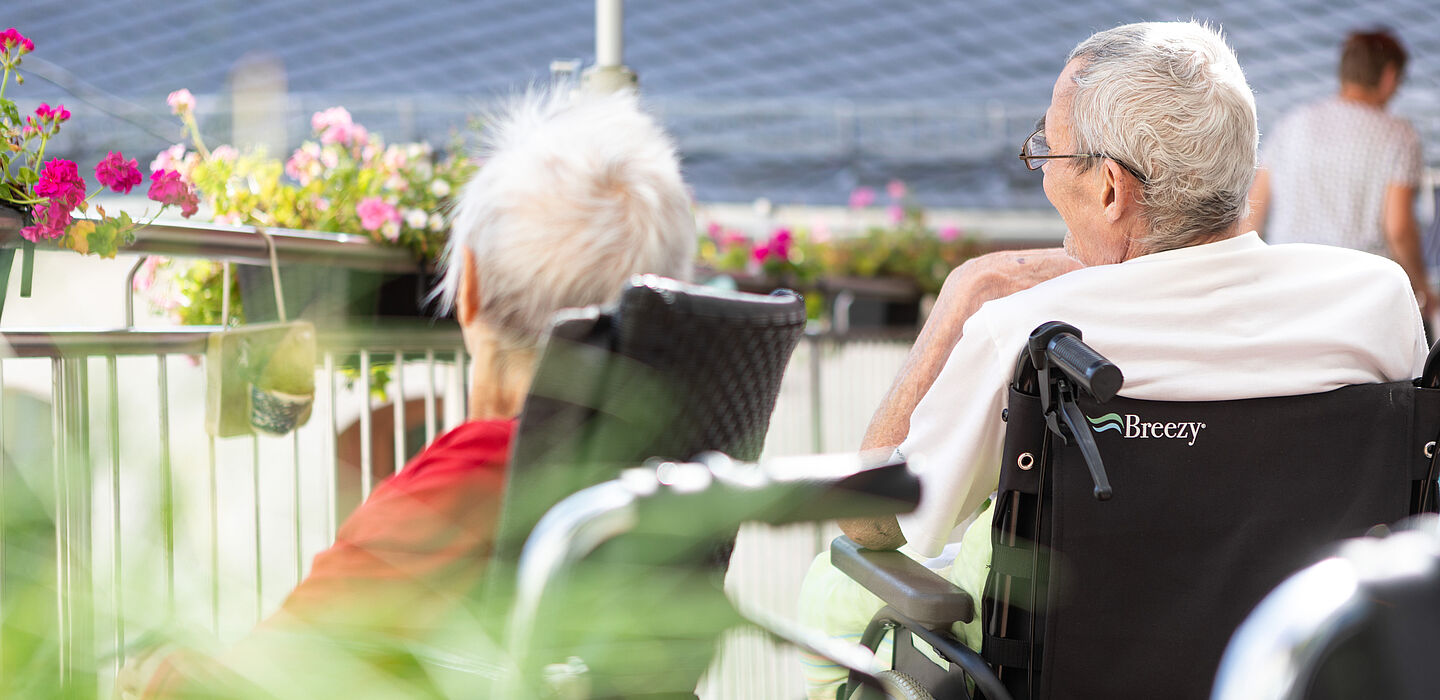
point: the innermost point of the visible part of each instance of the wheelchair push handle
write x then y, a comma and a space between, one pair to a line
1059, 345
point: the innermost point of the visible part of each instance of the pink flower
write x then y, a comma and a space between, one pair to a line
896, 189
861, 197
167, 187
820, 231
181, 102
375, 212
895, 213
948, 233
11, 38
60, 182
50, 222
145, 279
304, 164
56, 114
117, 173
394, 158
713, 230
733, 238
761, 253
334, 125
779, 243
168, 159
224, 152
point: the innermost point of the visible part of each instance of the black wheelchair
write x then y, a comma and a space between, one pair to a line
1124, 576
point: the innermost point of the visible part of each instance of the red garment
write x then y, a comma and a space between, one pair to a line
401, 564
424, 534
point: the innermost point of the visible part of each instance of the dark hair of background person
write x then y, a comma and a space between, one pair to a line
1367, 53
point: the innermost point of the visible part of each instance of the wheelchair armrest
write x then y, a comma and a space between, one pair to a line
903, 583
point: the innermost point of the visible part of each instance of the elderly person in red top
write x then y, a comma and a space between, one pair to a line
576, 194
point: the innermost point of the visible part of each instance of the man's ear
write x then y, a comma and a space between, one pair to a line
467, 301
1118, 191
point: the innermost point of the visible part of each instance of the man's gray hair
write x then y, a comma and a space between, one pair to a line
575, 194
1169, 99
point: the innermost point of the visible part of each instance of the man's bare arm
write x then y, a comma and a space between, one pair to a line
1402, 235
1259, 203
967, 287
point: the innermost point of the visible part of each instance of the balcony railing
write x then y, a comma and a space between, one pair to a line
157, 524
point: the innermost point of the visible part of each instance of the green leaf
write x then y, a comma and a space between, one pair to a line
104, 239
28, 176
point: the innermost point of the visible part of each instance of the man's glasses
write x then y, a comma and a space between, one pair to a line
1035, 151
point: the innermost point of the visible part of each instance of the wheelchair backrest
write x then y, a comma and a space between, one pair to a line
674, 370
1214, 503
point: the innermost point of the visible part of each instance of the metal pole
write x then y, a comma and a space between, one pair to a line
117, 560
609, 37
167, 485
429, 396
609, 73
259, 555
817, 442
397, 413
72, 522
365, 434
333, 444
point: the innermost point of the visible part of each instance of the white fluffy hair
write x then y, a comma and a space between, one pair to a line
576, 193
1169, 99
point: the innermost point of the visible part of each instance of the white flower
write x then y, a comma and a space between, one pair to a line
437, 222
390, 230
439, 188
416, 218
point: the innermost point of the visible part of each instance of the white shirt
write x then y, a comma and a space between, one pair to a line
1233, 319
1330, 163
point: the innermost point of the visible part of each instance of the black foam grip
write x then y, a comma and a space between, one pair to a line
1098, 376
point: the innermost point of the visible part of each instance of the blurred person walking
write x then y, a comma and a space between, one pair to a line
1343, 171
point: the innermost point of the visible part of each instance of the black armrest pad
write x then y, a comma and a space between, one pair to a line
903, 583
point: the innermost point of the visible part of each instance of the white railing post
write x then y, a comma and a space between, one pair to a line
609, 73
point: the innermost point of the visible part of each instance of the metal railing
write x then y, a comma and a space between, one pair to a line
156, 524
109, 472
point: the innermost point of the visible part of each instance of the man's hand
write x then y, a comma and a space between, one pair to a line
979, 280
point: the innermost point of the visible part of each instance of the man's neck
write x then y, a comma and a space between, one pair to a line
1362, 95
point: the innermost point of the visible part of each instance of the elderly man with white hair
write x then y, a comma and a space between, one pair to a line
575, 195
1148, 151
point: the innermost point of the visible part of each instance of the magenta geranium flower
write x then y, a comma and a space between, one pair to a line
779, 244
117, 173
861, 197
375, 212
51, 220
168, 188
11, 38
948, 233
60, 182
56, 114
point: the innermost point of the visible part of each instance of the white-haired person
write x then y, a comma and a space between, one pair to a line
575, 195
1148, 150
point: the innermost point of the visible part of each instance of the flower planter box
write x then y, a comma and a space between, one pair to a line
11, 221
331, 296
850, 303
871, 302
